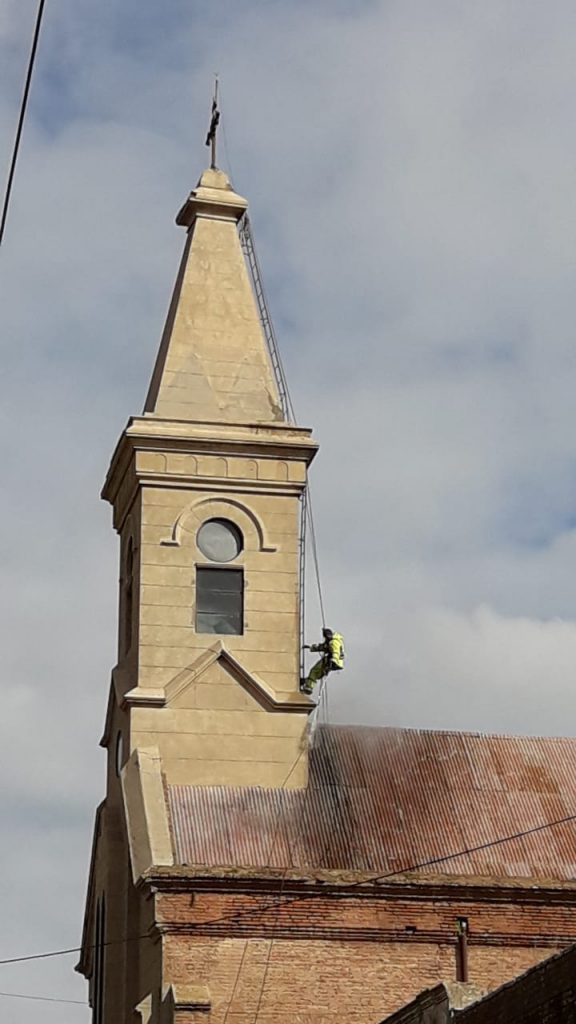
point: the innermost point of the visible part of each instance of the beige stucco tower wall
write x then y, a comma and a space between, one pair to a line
212, 444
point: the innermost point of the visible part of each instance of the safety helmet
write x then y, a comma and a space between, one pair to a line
327, 633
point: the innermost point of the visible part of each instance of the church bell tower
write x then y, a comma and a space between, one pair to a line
206, 488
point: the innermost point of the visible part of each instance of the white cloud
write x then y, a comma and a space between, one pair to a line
434, 667
411, 173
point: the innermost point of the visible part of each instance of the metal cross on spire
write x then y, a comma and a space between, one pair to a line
214, 120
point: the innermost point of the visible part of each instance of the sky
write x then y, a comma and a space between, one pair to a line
411, 169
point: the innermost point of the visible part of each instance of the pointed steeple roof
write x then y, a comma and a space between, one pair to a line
213, 364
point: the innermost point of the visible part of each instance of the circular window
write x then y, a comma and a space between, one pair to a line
219, 540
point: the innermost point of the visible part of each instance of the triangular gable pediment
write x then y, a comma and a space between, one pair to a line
217, 659
217, 666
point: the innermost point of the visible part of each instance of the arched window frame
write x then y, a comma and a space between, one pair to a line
219, 604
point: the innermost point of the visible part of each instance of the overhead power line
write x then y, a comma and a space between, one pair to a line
42, 999
408, 869
379, 878
45, 956
296, 899
21, 118
476, 849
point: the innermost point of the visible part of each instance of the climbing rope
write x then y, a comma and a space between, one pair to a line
307, 524
249, 249
314, 547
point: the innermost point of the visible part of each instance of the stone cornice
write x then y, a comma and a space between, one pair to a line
213, 197
149, 434
271, 881
190, 998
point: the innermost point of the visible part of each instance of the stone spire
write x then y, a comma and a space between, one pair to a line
209, 629
213, 364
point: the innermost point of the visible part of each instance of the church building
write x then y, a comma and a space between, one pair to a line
247, 868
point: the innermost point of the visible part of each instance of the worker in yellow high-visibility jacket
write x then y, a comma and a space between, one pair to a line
332, 660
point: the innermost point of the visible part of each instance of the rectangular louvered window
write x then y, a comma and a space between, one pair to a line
220, 601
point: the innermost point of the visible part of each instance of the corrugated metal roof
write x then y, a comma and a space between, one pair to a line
384, 800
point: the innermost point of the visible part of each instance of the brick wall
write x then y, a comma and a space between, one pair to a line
320, 956
546, 995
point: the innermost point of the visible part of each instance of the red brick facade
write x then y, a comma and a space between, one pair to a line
546, 995
318, 951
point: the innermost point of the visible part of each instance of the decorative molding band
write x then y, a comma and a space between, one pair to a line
140, 697
293, 930
196, 514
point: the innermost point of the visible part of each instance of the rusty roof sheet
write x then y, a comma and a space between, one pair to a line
386, 800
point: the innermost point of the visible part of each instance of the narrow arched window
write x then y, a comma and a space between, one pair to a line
220, 587
98, 976
128, 598
119, 752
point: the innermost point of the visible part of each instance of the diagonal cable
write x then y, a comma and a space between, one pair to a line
21, 118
